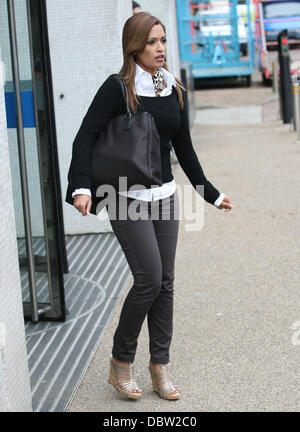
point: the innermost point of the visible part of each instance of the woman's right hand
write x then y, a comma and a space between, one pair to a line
83, 204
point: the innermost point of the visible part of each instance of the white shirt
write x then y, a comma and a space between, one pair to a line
144, 87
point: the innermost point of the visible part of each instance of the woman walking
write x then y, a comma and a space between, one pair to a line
148, 243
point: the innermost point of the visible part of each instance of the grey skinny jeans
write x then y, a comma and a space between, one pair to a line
150, 247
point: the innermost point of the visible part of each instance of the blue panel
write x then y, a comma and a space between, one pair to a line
27, 109
212, 51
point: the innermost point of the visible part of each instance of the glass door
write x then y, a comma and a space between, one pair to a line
33, 158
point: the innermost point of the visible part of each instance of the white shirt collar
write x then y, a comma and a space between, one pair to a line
144, 83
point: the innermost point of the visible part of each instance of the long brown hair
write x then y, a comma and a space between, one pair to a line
134, 38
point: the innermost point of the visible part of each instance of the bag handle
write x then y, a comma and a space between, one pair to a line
124, 93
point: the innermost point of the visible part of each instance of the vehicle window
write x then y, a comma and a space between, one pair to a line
286, 9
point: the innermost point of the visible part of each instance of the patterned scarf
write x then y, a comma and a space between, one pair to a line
158, 81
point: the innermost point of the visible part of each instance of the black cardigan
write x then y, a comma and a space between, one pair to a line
172, 124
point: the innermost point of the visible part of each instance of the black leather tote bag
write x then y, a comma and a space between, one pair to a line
129, 146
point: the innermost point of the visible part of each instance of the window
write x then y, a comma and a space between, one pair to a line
284, 9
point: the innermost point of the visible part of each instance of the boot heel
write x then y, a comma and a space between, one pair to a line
154, 382
111, 378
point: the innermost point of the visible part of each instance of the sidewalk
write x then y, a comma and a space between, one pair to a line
236, 285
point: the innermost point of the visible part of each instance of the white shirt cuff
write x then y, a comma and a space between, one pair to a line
219, 200
81, 191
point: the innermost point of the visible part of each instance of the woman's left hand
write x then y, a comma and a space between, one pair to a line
226, 204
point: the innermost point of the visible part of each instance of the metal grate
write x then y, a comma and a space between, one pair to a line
59, 353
